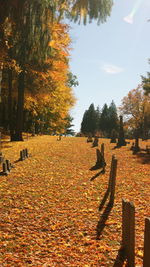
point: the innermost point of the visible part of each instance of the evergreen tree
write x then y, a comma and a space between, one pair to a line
89, 121
84, 122
104, 120
113, 118
98, 115
68, 130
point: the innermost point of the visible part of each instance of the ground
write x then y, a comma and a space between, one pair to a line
49, 203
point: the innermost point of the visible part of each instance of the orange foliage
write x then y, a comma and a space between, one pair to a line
55, 94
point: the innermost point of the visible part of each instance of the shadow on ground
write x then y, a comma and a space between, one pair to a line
104, 216
120, 259
144, 158
6, 144
97, 174
102, 221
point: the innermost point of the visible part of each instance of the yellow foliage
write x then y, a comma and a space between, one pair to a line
55, 97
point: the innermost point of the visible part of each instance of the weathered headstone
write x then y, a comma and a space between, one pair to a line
5, 170
121, 138
95, 142
100, 163
21, 155
128, 231
1, 158
26, 153
59, 138
8, 165
136, 147
146, 258
113, 136
132, 146
89, 139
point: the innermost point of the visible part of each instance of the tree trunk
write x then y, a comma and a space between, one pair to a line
20, 106
10, 112
4, 115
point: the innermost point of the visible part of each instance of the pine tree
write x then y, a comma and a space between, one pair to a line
113, 118
84, 123
104, 120
89, 121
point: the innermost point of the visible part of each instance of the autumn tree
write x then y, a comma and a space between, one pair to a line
146, 83
55, 97
91, 10
136, 107
25, 39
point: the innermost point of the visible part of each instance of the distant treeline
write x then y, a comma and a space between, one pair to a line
100, 122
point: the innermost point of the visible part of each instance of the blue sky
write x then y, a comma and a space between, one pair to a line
109, 59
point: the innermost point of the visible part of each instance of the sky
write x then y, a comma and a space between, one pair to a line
109, 59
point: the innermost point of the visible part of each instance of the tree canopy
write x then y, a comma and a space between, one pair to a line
146, 83
136, 108
34, 57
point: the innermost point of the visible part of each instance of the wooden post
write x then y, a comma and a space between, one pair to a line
113, 180
128, 231
146, 258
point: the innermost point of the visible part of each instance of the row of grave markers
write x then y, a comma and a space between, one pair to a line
128, 219
6, 165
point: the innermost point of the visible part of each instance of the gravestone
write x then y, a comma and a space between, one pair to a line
132, 146
95, 142
128, 231
59, 138
89, 139
113, 136
121, 139
1, 158
5, 170
22, 155
26, 153
136, 147
8, 165
146, 258
100, 163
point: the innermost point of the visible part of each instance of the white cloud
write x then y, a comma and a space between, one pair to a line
112, 69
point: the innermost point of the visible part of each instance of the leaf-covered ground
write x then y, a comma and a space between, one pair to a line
49, 203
